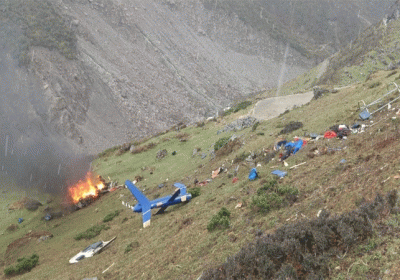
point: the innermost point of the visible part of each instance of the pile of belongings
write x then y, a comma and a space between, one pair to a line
290, 147
340, 131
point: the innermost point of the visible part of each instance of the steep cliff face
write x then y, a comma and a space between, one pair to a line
124, 69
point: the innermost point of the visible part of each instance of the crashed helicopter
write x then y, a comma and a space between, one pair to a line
145, 205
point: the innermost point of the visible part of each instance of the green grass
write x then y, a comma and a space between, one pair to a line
23, 265
320, 183
110, 216
91, 232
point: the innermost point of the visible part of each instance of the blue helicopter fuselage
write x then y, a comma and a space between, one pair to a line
163, 202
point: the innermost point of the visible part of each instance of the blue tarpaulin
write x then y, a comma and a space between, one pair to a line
253, 174
295, 146
280, 173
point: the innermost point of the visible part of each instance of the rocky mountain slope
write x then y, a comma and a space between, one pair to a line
114, 71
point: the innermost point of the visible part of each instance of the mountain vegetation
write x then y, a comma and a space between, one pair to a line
335, 215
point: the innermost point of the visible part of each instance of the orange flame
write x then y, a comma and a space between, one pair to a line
83, 189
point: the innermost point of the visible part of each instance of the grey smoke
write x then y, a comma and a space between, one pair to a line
31, 152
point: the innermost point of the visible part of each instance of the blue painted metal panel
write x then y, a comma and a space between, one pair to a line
145, 205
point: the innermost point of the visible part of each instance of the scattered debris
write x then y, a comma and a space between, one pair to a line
108, 268
384, 181
20, 220
239, 205
216, 172
297, 165
234, 180
161, 154
291, 148
330, 134
253, 174
91, 250
279, 173
44, 238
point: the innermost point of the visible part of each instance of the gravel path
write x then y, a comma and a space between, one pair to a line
272, 107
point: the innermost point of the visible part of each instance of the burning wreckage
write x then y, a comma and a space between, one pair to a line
86, 191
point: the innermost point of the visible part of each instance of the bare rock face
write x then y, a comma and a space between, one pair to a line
143, 66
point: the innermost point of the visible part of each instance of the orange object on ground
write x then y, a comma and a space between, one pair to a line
330, 134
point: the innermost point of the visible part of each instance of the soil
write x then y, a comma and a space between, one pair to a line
25, 240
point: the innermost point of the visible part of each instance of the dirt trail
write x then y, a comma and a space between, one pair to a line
270, 108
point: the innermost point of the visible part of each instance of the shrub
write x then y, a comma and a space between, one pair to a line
24, 264
229, 148
195, 192
12, 227
241, 157
130, 246
42, 26
282, 190
374, 85
182, 137
301, 250
110, 216
292, 126
241, 106
267, 202
219, 220
220, 143
91, 232
272, 196
255, 125
109, 151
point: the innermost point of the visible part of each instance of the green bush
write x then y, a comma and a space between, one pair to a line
267, 202
241, 157
220, 143
273, 196
195, 192
219, 220
111, 216
91, 232
374, 85
109, 151
241, 106
282, 190
255, 126
24, 264
130, 246
42, 26
304, 249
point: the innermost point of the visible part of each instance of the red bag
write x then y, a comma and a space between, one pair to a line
330, 134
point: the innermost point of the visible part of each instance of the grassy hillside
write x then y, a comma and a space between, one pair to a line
313, 28
338, 175
377, 49
178, 245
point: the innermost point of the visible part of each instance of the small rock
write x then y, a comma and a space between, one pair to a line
337, 268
